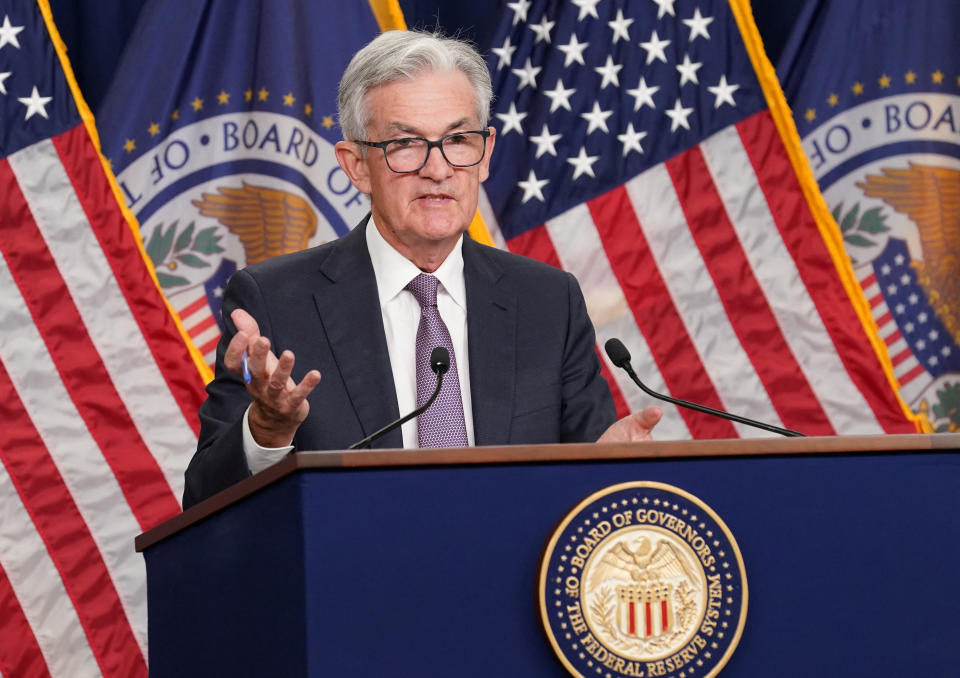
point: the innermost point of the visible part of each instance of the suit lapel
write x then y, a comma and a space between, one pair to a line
491, 330
349, 309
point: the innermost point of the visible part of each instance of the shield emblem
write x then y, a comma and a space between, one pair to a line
644, 611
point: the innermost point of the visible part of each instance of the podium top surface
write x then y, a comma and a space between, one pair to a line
527, 454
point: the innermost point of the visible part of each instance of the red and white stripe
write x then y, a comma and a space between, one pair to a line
98, 396
198, 321
711, 270
911, 375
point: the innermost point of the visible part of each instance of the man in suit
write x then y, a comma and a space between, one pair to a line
414, 110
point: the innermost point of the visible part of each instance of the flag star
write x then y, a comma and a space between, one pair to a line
654, 48
8, 33
559, 96
921, 344
900, 309
620, 27
528, 74
532, 187
904, 279
922, 317
587, 7
945, 351
688, 71
573, 51
511, 120
597, 118
583, 163
35, 104
908, 327
891, 289
666, 7
545, 141
643, 95
609, 72
631, 140
218, 291
723, 92
934, 335
505, 53
885, 269
698, 25
519, 8
898, 260
3, 79
542, 29
933, 360
913, 298
678, 116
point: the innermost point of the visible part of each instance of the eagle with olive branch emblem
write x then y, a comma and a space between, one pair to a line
930, 197
645, 564
267, 221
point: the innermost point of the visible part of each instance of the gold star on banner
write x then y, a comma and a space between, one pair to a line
175, 114
857, 88
288, 99
248, 94
810, 115
937, 76
910, 77
833, 99
197, 103
223, 98
327, 121
883, 81
129, 145
307, 109
153, 129
263, 94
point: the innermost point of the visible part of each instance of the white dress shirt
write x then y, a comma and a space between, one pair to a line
401, 318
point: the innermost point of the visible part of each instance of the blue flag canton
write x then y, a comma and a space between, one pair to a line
931, 343
35, 100
221, 57
590, 94
853, 53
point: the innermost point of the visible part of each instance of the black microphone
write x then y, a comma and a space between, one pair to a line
439, 363
620, 356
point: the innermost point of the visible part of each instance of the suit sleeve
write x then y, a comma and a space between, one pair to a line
587, 406
219, 460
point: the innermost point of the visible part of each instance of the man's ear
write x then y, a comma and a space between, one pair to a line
354, 163
485, 164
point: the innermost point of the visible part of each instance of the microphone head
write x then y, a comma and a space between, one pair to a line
440, 360
617, 352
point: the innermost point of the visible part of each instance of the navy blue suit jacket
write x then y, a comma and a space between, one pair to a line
534, 373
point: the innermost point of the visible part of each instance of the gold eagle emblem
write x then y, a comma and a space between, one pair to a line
930, 197
644, 564
267, 221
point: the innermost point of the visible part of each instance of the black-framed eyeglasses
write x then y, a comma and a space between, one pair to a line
410, 154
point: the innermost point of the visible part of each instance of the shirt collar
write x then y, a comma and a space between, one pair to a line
394, 271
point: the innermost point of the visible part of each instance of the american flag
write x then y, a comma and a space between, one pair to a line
98, 390
645, 147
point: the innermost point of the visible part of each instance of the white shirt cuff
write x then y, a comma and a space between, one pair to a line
259, 458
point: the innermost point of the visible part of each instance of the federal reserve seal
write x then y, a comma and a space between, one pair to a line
643, 579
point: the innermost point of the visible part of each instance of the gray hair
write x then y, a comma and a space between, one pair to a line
405, 54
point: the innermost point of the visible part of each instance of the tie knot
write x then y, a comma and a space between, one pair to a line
424, 289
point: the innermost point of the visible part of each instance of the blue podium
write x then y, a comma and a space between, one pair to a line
426, 563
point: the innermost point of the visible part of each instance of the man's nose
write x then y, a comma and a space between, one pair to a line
437, 167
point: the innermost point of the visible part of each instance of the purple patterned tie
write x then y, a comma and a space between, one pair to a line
442, 425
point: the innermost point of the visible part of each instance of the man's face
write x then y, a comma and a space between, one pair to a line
421, 211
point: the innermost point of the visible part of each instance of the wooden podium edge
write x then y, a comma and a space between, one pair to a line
525, 454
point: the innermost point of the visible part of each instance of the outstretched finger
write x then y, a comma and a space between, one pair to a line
245, 323
305, 387
231, 357
280, 377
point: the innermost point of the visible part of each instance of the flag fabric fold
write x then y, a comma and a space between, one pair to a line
646, 148
876, 100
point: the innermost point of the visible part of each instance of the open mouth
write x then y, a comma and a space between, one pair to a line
435, 198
